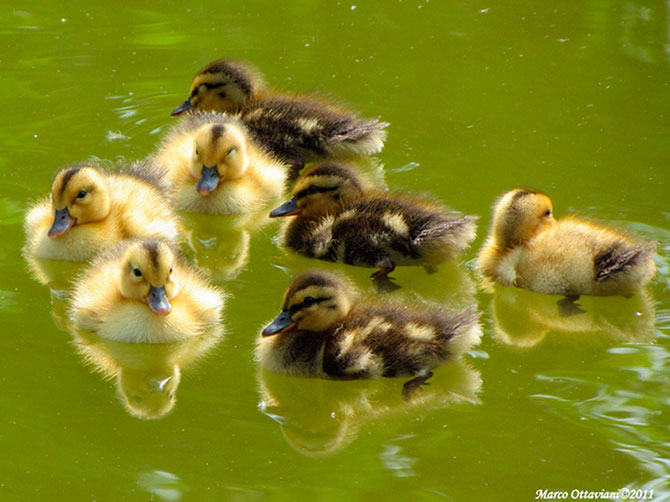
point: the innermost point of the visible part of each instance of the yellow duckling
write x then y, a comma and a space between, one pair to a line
529, 249
141, 291
299, 129
322, 331
91, 208
214, 167
338, 220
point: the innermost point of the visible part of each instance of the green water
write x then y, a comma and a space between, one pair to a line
567, 97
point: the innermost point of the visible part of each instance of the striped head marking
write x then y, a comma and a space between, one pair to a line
519, 215
222, 86
220, 154
322, 188
314, 301
79, 195
148, 275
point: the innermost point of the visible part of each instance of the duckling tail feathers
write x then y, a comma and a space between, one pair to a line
446, 237
464, 331
359, 138
621, 257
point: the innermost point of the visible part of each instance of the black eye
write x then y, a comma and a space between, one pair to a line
547, 212
312, 189
308, 301
197, 151
81, 194
137, 272
222, 95
170, 269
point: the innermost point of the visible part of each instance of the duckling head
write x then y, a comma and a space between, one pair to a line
223, 86
314, 301
220, 154
146, 395
78, 195
519, 215
147, 275
321, 188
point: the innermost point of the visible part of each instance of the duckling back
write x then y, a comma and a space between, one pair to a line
370, 229
396, 341
577, 257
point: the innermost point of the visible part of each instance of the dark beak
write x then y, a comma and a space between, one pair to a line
62, 223
209, 180
288, 208
158, 302
183, 108
282, 324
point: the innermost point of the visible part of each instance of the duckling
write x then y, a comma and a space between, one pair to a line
527, 248
299, 129
91, 208
214, 167
323, 331
142, 291
340, 220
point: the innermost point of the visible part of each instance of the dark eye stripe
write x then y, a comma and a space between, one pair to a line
301, 305
208, 86
313, 189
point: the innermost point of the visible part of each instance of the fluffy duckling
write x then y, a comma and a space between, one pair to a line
142, 291
299, 129
322, 331
214, 167
91, 208
339, 220
528, 248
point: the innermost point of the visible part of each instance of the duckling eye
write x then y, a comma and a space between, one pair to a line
222, 95
202, 88
231, 151
81, 194
137, 272
547, 212
308, 301
170, 270
312, 189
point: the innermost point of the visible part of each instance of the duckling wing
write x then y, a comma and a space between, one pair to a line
619, 257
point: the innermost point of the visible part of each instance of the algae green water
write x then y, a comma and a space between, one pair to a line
571, 98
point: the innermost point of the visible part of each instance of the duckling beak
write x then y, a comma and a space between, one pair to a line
157, 301
288, 208
282, 324
63, 222
209, 180
182, 108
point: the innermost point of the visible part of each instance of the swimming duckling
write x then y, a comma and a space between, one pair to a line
529, 249
91, 208
214, 167
339, 220
299, 129
142, 291
322, 331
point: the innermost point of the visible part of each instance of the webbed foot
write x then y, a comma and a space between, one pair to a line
567, 306
412, 386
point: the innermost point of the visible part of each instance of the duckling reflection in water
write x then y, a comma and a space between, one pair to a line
147, 375
142, 291
338, 219
525, 318
298, 129
529, 249
333, 414
91, 208
213, 166
323, 331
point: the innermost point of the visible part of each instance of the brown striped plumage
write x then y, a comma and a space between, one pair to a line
299, 129
324, 332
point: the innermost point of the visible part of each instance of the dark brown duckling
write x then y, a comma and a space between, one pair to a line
323, 332
339, 220
298, 129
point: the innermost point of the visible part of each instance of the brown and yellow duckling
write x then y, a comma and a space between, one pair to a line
142, 291
323, 331
298, 129
339, 220
529, 249
91, 208
213, 166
